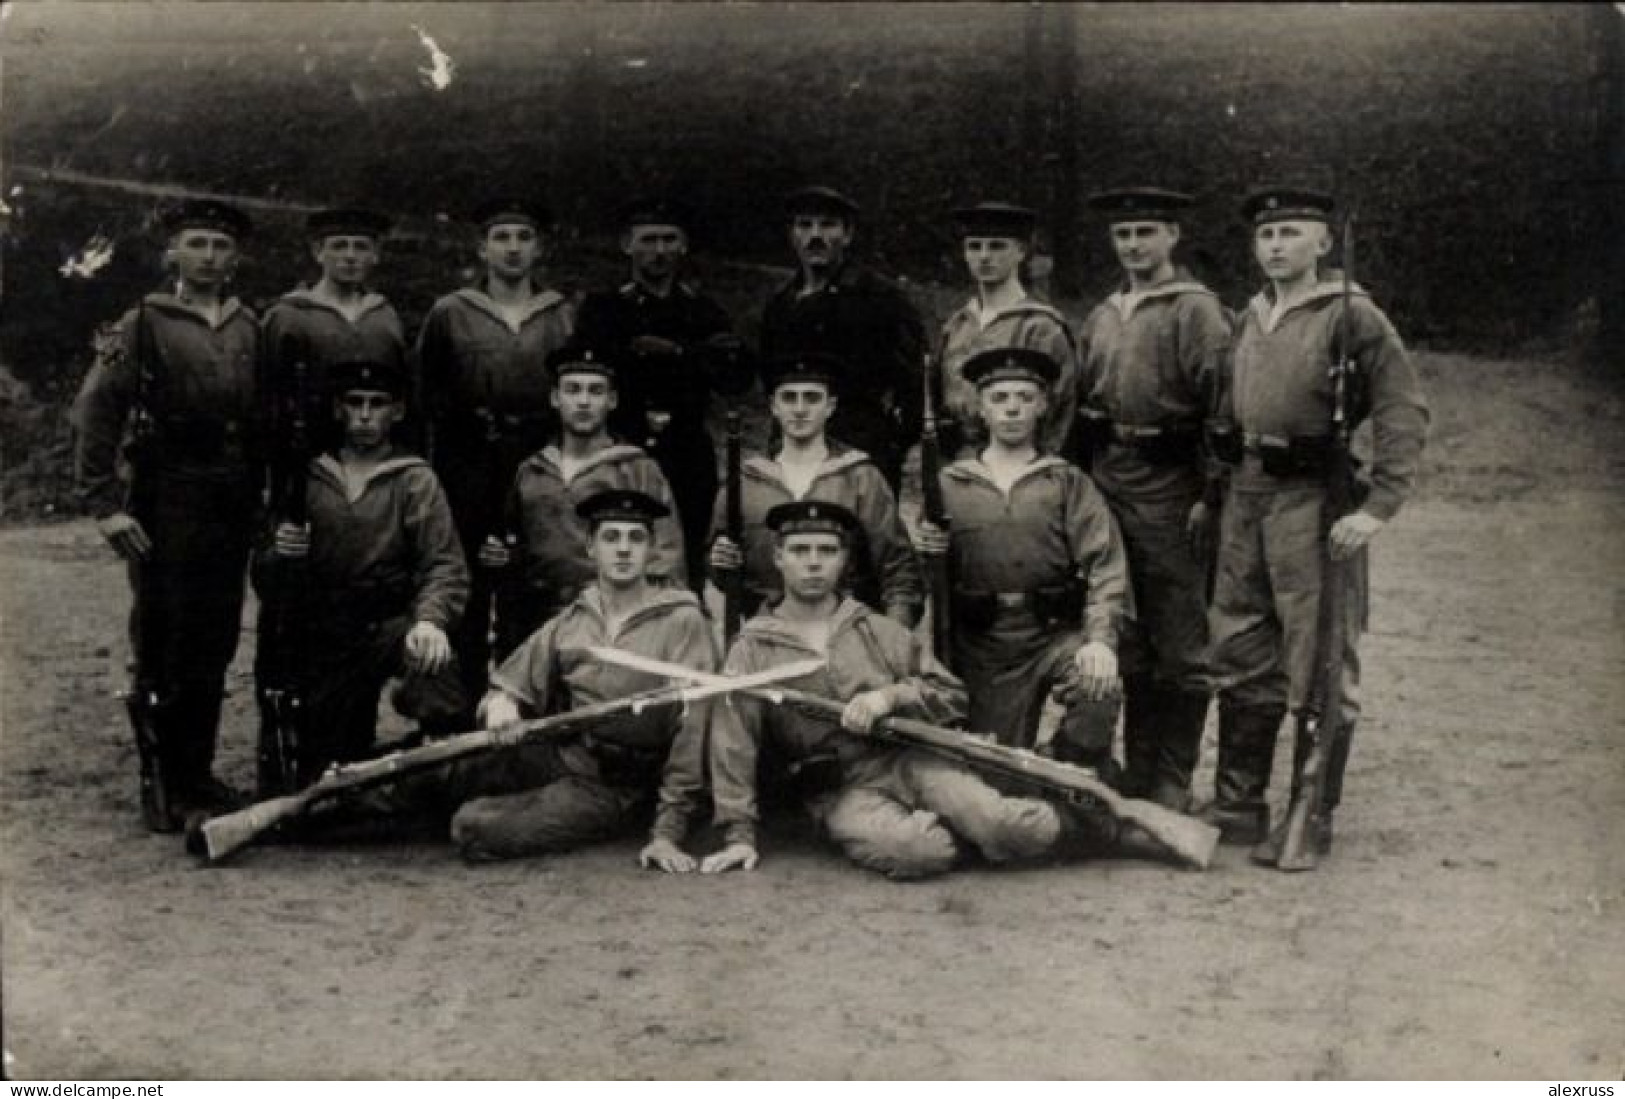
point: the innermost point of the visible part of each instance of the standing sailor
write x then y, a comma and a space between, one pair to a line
182, 369
1151, 357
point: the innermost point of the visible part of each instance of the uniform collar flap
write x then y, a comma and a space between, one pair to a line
539, 303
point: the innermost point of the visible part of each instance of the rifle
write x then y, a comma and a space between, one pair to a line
149, 692
1296, 846
231, 832
733, 591
281, 687
1187, 839
484, 598
933, 509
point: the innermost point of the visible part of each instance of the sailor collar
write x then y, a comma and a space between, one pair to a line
974, 469
539, 303
170, 303
1126, 300
330, 469
838, 460
551, 459
304, 296
1262, 304
774, 627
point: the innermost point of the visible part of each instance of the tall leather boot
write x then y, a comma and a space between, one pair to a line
1246, 749
1140, 723
1180, 718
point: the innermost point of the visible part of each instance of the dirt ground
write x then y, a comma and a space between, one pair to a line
1469, 924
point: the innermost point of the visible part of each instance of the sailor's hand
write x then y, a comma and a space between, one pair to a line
1095, 668
1201, 527
725, 556
655, 345
291, 540
496, 709
865, 709
735, 856
494, 554
1350, 534
427, 648
663, 854
930, 540
123, 532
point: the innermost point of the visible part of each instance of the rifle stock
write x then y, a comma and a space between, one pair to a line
1186, 839
231, 832
150, 685
281, 695
935, 510
734, 522
486, 601
1297, 846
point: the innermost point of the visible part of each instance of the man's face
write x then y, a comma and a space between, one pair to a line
620, 551
584, 402
1288, 250
1143, 247
820, 240
203, 257
811, 564
802, 409
511, 249
367, 415
1013, 410
346, 260
993, 261
656, 251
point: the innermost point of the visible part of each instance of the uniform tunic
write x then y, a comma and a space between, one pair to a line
378, 564
865, 321
302, 328
885, 574
1028, 324
474, 365
1050, 530
552, 797
894, 810
679, 385
1152, 359
1269, 570
553, 566
203, 484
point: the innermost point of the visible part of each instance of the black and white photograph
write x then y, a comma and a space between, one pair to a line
812, 541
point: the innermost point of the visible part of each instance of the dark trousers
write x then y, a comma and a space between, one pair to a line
187, 613
353, 660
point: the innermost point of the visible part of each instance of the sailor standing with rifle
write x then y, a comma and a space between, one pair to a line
485, 390
183, 366
1313, 358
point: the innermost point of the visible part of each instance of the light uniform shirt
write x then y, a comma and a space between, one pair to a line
864, 651
553, 672
1280, 385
